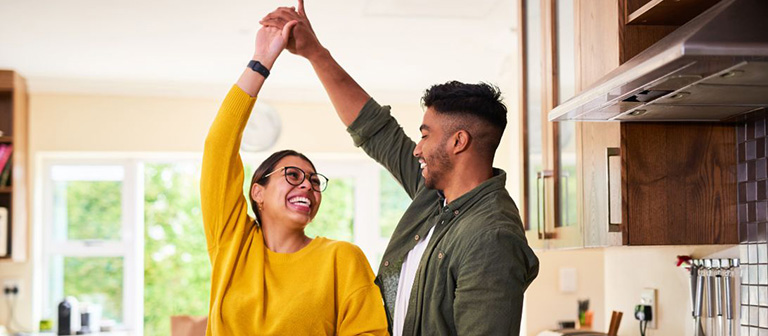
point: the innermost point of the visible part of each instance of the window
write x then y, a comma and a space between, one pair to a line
126, 235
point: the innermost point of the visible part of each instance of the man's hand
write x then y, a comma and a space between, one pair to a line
302, 41
270, 42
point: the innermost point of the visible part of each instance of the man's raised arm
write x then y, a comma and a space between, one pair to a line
346, 95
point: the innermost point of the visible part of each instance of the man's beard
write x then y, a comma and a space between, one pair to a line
438, 166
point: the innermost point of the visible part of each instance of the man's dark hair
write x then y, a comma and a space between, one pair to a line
470, 106
265, 168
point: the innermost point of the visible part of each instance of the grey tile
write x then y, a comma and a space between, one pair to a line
753, 276
762, 296
753, 297
744, 330
760, 148
759, 128
762, 332
753, 316
762, 234
751, 150
745, 290
742, 172
745, 315
761, 211
742, 151
741, 133
751, 171
743, 214
753, 254
750, 130
752, 228
760, 165
762, 253
751, 191
751, 211
744, 274
744, 253
761, 190
762, 317
762, 275
753, 331
743, 234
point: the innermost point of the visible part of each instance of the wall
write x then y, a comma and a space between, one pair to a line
143, 124
753, 219
612, 279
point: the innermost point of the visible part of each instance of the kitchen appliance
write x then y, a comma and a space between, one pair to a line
712, 294
713, 68
69, 316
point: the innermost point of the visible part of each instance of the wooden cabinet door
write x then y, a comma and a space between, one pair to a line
551, 203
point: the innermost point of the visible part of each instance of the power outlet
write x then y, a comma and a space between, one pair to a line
648, 298
11, 287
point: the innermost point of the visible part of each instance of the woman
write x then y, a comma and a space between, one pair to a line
268, 277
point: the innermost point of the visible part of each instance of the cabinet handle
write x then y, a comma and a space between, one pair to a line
542, 215
611, 152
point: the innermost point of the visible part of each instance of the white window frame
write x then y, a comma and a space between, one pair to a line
364, 171
130, 247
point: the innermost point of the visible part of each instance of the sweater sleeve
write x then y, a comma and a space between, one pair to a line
362, 310
223, 204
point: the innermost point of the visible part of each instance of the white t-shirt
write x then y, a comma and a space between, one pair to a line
407, 277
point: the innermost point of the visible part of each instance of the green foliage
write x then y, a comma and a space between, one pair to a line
93, 208
96, 280
393, 203
335, 219
177, 270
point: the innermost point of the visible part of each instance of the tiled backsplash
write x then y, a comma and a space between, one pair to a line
753, 224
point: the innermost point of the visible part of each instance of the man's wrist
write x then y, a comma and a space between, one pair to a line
319, 55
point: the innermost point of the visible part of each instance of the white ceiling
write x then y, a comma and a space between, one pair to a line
159, 47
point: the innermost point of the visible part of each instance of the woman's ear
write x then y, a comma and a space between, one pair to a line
257, 193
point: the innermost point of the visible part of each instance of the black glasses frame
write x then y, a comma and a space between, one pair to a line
322, 179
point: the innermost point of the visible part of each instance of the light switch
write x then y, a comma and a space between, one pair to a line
568, 280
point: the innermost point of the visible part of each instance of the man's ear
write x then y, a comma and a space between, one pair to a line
461, 140
257, 193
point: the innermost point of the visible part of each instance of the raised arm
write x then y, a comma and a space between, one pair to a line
375, 130
221, 182
346, 95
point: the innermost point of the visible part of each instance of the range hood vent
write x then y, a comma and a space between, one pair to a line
713, 68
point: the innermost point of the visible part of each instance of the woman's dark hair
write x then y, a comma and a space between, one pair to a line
267, 167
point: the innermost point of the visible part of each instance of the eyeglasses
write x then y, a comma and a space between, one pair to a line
295, 177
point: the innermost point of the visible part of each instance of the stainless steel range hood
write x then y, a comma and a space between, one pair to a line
713, 68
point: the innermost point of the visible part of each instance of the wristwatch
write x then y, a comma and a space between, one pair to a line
258, 67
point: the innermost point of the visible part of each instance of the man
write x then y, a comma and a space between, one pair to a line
458, 262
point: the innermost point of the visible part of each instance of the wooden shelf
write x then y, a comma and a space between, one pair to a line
668, 12
6, 190
6, 139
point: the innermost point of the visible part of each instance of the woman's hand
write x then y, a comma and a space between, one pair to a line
270, 42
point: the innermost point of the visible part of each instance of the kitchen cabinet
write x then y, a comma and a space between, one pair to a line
648, 183
551, 202
13, 125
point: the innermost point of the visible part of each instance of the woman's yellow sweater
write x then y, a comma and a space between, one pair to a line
326, 288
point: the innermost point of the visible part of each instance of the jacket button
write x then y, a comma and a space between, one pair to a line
416, 237
440, 255
386, 263
456, 212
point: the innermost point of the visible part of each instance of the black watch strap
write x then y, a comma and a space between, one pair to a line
258, 67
